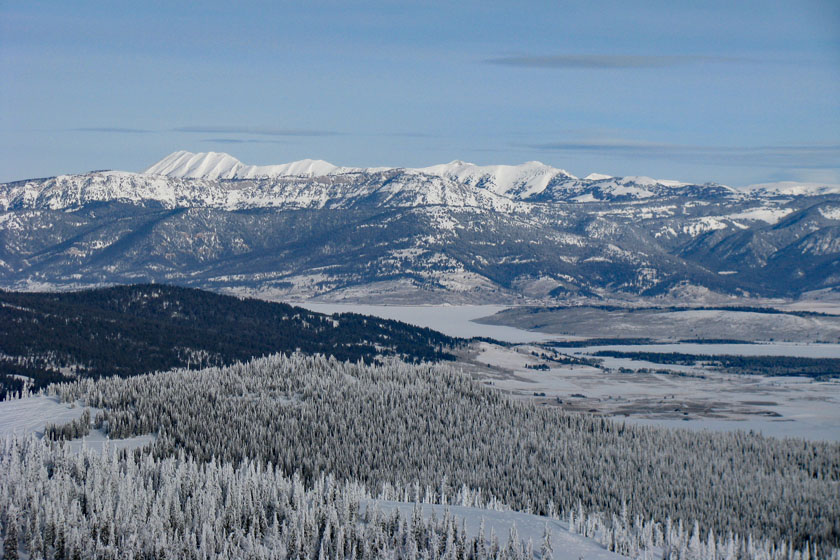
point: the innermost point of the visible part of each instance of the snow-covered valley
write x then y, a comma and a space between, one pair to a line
702, 398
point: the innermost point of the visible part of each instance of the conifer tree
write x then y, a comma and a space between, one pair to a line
546, 550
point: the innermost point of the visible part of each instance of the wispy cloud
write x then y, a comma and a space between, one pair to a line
250, 131
817, 156
112, 129
243, 141
410, 135
604, 61
261, 131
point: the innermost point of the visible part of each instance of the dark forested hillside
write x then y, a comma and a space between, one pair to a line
128, 330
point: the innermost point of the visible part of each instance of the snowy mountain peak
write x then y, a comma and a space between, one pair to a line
214, 165
211, 165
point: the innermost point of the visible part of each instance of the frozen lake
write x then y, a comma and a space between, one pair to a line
453, 320
459, 320
815, 427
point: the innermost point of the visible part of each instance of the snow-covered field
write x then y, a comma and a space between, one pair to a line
703, 399
30, 415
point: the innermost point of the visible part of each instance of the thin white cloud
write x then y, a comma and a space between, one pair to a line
261, 131
605, 61
113, 129
817, 156
243, 141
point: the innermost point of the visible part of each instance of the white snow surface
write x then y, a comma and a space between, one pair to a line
831, 212
30, 415
793, 188
763, 213
215, 165
635, 187
645, 181
514, 181
521, 180
452, 320
565, 545
332, 191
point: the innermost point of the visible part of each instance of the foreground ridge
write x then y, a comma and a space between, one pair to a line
415, 423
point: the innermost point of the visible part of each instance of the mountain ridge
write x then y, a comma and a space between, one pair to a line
220, 165
211, 179
455, 232
185, 179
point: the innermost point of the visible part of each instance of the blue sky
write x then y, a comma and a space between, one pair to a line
733, 92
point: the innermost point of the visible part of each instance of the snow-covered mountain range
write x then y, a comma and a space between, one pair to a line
455, 231
217, 180
503, 179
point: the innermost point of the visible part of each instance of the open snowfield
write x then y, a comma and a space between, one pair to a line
30, 416
702, 399
565, 545
97, 441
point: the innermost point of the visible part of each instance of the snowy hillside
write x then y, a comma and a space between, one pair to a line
391, 188
794, 188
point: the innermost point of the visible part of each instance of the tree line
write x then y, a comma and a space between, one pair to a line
749, 365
